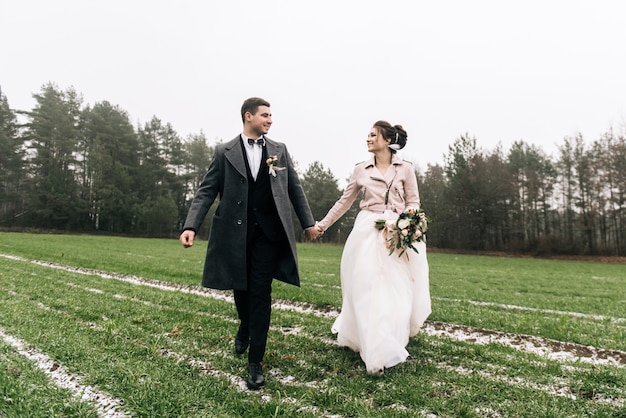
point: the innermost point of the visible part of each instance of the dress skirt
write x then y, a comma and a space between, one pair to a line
386, 298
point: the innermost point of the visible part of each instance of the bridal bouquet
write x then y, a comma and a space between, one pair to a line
402, 233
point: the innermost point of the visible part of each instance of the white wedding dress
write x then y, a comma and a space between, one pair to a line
386, 298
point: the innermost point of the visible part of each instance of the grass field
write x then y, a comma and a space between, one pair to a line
109, 326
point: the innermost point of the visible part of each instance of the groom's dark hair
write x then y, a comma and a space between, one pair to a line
251, 105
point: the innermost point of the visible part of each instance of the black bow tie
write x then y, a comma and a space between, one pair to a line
255, 141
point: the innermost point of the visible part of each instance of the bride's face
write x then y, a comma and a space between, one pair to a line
375, 141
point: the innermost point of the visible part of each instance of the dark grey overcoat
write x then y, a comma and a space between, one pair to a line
225, 264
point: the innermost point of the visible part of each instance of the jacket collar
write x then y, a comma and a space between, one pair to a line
395, 160
234, 153
389, 174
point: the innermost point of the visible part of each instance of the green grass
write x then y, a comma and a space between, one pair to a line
25, 391
165, 353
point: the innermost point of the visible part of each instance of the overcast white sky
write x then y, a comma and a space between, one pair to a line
500, 71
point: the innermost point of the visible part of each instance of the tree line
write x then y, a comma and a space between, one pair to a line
70, 166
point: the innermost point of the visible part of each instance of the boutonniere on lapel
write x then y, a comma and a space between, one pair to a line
272, 163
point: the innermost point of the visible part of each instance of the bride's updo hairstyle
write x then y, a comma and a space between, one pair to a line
396, 135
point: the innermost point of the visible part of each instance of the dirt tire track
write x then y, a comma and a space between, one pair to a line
554, 349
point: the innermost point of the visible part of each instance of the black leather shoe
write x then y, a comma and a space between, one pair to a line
255, 376
241, 345
242, 340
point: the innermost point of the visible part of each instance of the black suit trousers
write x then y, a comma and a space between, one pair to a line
254, 305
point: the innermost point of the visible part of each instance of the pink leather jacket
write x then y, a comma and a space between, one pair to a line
398, 186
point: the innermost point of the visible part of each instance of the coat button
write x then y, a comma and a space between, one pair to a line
239, 221
239, 202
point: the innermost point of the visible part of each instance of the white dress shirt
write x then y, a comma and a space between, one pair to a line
254, 154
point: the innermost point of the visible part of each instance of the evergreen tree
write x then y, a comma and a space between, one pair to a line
110, 165
52, 134
157, 184
432, 189
11, 155
322, 191
567, 177
614, 162
460, 214
197, 156
533, 179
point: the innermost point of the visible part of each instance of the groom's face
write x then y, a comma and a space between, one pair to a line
260, 122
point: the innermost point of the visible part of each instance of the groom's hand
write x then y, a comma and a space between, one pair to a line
309, 233
186, 238
313, 232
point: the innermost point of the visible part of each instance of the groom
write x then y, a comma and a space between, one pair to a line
252, 238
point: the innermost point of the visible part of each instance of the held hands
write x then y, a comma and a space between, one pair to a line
313, 232
186, 238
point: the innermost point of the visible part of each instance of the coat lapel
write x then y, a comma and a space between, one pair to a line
234, 154
272, 149
374, 173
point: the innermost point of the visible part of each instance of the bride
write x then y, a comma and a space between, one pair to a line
386, 298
